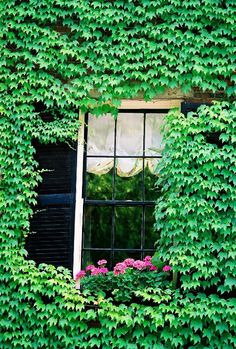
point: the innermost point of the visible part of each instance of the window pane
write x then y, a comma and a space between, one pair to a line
129, 135
152, 165
119, 256
151, 191
151, 235
92, 257
128, 227
153, 136
101, 132
97, 226
99, 187
129, 187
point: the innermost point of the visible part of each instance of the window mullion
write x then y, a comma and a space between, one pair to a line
113, 196
143, 186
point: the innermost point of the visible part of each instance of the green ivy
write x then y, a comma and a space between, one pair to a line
62, 56
196, 212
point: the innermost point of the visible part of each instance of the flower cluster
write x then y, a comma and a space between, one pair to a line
121, 267
146, 264
93, 270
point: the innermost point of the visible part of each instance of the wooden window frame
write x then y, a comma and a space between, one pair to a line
79, 201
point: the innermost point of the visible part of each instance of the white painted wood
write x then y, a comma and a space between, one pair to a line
79, 202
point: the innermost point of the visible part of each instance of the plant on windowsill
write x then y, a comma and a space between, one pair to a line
126, 282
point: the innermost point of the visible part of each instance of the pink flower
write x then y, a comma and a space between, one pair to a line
102, 262
167, 268
120, 268
147, 259
103, 270
129, 262
95, 271
140, 265
147, 264
80, 275
90, 267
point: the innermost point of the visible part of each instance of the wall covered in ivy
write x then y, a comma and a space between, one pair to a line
196, 212
62, 56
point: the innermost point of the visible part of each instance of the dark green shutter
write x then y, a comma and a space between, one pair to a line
52, 226
187, 107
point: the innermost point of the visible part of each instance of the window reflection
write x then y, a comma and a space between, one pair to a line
151, 235
97, 226
92, 257
152, 192
128, 227
119, 256
99, 187
128, 187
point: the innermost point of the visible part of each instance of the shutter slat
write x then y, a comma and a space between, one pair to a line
52, 225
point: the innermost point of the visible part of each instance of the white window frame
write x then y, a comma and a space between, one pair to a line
79, 202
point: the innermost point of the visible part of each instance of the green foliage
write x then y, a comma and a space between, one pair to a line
123, 288
196, 212
59, 52
56, 56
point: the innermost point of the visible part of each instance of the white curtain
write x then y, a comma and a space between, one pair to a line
129, 142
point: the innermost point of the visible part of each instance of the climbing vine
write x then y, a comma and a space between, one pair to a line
196, 212
59, 57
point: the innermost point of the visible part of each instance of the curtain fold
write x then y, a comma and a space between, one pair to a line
129, 142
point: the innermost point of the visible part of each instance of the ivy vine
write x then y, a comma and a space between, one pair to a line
59, 57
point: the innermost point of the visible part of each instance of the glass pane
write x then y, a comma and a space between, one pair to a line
119, 256
97, 226
153, 136
129, 134
128, 186
101, 132
92, 257
128, 227
148, 253
151, 235
152, 165
151, 191
99, 186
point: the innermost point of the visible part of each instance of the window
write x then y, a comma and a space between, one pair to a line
118, 219
119, 185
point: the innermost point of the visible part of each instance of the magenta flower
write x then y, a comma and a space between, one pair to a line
167, 268
102, 262
103, 270
129, 262
80, 275
90, 267
147, 264
120, 268
147, 259
140, 265
95, 271
153, 268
